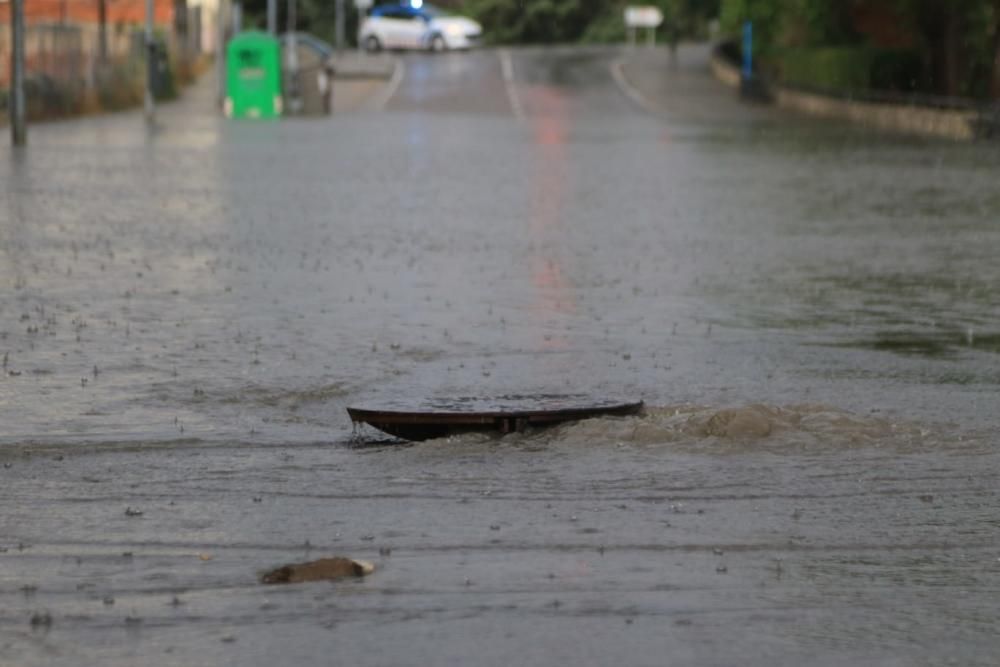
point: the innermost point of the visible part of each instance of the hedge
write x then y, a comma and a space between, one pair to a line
849, 68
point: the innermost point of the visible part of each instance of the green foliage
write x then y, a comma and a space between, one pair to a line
534, 20
553, 21
609, 26
896, 70
765, 15
120, 85
317, 17
955, 44
851, 68
844, 68
606, 28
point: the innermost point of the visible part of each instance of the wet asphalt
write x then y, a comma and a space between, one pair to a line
808, 309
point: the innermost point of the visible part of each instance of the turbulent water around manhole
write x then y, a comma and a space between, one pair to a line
614, 262
757, 428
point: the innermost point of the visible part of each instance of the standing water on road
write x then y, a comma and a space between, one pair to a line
808, 310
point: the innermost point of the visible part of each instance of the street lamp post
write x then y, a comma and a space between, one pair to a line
18, 129
102, 31
220, 52
148, 103
339, 10
293, 93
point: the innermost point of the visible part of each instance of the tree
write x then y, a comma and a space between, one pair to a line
314, 16
957, 41
995, 64
554, 21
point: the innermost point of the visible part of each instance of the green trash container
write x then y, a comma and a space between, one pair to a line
253, 76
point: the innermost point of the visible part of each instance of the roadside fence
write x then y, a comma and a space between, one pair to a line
81, 67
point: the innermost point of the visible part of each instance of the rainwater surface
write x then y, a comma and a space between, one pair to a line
809, 311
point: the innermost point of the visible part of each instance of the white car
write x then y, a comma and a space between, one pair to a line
417, 26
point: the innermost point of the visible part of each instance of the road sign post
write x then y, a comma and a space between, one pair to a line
748, 50
752, 86
647, 17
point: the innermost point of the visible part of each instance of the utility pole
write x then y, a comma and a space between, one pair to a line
339, 18
151, 64
18, 130
102, 31
747, 50
272, 17
220, 52
294, 101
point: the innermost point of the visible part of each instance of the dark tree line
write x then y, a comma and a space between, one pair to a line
953, 46
948, 47
514, 21
555, 21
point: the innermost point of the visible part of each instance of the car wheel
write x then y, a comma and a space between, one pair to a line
438, 44
372, 45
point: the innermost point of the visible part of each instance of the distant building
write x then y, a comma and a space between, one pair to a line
117, 12
64, 38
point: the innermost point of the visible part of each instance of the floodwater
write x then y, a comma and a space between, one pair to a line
809, 311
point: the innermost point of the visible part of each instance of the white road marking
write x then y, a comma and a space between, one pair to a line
507, 66
383, 97
630, 91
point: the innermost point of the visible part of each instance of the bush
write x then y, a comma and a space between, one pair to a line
896, 70
46, 97
841, 68
120, 85
117, 85
850, 68
607, 28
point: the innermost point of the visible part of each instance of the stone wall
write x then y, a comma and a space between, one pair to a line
947, 123
950, 124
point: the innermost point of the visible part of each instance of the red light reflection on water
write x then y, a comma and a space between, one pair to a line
553, 295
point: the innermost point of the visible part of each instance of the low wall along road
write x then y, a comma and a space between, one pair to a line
958, 124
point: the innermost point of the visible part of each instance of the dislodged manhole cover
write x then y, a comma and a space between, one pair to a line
437, 418
324, 569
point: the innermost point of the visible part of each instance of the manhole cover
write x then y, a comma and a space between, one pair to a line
437, 418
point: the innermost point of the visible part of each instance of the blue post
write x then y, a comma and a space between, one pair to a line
747, 50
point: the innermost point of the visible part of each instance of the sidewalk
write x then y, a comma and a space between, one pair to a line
358, 79
360, 65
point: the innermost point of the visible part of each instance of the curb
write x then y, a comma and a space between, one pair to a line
381, 99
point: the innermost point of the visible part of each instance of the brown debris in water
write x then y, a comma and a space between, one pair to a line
324, 569
774, 428
752, 421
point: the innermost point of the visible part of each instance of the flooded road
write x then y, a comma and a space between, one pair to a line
809, 311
